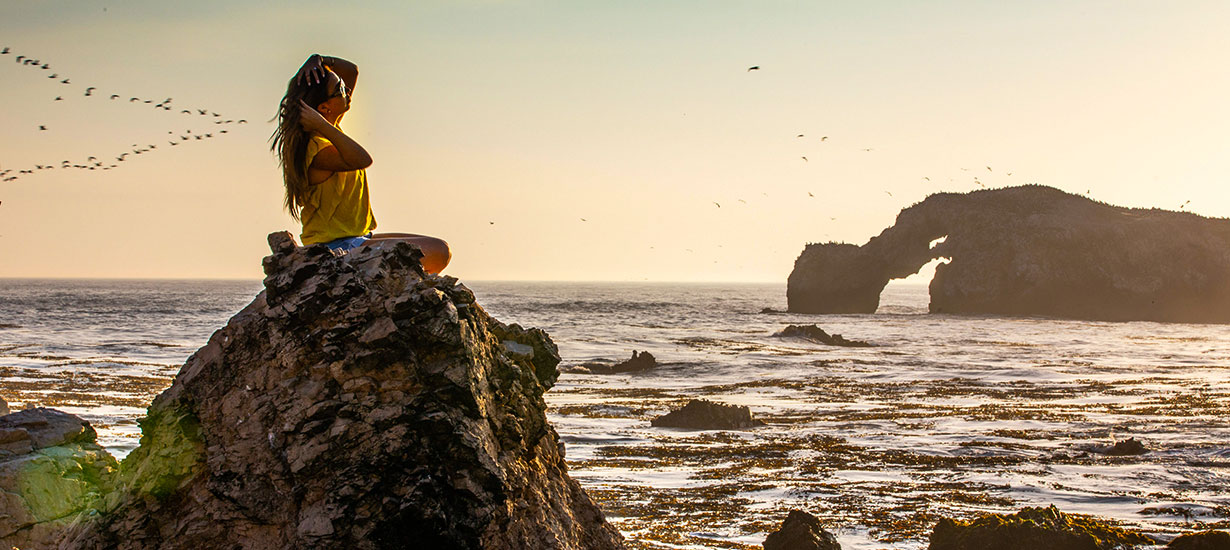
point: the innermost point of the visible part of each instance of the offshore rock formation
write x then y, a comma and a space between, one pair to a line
640, 361
355, 403
817, 334
801, 531
51, 472
1031, 529
1031, 250
701, 414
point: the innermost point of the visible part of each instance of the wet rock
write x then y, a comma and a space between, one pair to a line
355, 403
1031, 529
4, 407
700, 414
801, 531
1126, 447
1204, 540
771, 311
1031, 250
817, 334
640, 361
51, 471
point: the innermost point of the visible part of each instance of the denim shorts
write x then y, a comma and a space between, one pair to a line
347, 243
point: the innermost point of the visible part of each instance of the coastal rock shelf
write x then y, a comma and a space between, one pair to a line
355, 403
1031, 250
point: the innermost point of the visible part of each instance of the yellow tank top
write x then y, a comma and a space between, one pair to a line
337, 207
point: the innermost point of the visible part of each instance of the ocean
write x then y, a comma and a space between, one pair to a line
944, 416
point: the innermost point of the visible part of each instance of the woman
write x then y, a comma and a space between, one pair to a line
323, 168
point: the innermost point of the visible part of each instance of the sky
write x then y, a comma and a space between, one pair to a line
604, 141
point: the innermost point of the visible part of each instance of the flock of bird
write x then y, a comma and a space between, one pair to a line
95, 162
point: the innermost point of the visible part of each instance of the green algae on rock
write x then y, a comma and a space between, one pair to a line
1032, 529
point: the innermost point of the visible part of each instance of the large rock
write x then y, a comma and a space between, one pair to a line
801, 531
1204, 540
1032, 529
1031, 250
51, 472
702, 414
355, 403
4, 407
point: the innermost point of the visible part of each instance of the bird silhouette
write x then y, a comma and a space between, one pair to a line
202, 111
54, 76
889, 194
45, 66
42, 128
19, 58
65, 81
988, 169
186, 111
804, 159
753, 68
58, 98
718, 205
5, 52
800, 135
825, 138
241, 121
115, 96
809, 194
89, 91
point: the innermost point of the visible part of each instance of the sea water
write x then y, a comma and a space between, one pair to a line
944, 416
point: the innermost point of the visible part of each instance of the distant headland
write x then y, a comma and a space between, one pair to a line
1031, 250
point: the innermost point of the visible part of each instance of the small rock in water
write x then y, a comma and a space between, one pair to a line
1032, 529
817, 334
700, 414
1127, 448
1204, 540
640, 361
769, 310
801, 531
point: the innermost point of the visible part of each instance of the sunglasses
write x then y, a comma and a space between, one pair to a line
341, 91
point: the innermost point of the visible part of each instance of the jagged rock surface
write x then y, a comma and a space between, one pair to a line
701, 414
1031, 250
51, 472
4, 407
355, 403
801, 531
1031, 529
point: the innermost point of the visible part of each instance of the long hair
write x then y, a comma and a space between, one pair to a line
290, 140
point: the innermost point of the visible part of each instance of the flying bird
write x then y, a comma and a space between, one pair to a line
718, 205
58, 98
6, 50
889, 194
19, 58
65, 81
132, 99
988, 169
45, 66
804, 159
800, 135
186, 112
243, 121
753, 68
202, 111
42, 128
54, 76
825, 138
809, 194
89, 91
115, 96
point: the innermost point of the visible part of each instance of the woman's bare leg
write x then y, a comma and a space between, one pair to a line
436, 253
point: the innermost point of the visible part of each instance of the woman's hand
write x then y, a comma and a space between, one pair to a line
312, 71
310, 118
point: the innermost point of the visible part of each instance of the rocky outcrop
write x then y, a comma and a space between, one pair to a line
1204, 540
1031, 250
1031, 529
801, 531
4, 407
355, 403
640, 362
817, 334
51, 472
1127, 447
700, 414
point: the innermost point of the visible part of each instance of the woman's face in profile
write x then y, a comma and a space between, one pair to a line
339, 97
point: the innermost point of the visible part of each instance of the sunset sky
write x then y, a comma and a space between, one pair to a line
580, 140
